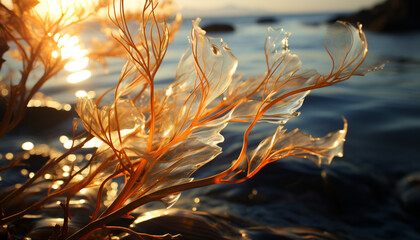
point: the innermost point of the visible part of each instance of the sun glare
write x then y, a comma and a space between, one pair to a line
79, 76
78, 61
77, 65
54, 9
69, 48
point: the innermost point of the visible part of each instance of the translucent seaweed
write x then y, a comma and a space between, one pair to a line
178, 130
156, 139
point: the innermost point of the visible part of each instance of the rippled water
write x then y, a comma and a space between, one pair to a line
373, 192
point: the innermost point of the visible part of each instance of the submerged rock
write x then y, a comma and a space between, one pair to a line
390, 16
218, 27
408, 190
43, 119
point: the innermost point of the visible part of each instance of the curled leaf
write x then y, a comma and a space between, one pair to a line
297, 144
347, 47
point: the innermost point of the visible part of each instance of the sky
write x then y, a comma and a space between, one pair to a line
277, 6
205, 8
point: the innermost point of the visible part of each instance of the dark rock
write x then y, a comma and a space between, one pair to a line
390, 16
43, 119
408, 190
264, 20
218, 27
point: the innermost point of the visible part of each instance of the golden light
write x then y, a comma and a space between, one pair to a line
55, 9
4, 92
71, 157
39, 100
66, 168
79, 177
24, 172
88, 156
68, 144
77, 65
79, 76
168, 91
81, 93
81, 201
67, 107
9, 156
69, 47
63, 139
55, 54
91, 94
52, 9
93, 143
27, 146
78, 61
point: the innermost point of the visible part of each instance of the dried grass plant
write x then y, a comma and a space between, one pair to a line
156, 139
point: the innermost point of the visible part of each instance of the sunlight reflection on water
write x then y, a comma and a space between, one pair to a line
78, 61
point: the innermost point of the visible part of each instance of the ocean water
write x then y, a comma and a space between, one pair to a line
373, 192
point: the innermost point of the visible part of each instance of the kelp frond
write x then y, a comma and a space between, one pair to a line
160, 138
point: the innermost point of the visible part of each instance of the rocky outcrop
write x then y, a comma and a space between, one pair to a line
390, 16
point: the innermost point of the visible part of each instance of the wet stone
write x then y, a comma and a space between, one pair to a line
408, 190
43, 120
266, 20
218, 28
